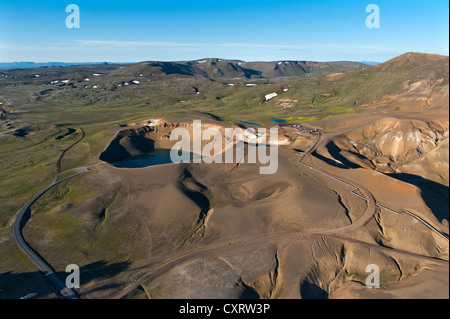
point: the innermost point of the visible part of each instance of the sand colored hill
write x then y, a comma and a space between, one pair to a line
404, 146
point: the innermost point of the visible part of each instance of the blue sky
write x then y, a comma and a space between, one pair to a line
132, 31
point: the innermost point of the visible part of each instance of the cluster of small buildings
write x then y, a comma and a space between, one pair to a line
300, 127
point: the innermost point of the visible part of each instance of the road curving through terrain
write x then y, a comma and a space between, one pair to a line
332, 233
58, 285
368, 196
21, 219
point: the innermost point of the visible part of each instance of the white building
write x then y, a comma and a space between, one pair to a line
270, 96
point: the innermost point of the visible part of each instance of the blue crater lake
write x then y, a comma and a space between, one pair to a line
155, 157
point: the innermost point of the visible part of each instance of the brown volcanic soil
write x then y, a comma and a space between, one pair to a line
399, 145
225, 231
223, 202
181, 208
406, 133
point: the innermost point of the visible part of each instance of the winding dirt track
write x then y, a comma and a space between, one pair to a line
58, 163
365, 194
138, 216
58, 284
332, 233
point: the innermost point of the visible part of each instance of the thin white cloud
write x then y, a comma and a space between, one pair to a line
253, 45
117, 43
129, 51
345, 46
131, 44
350, 48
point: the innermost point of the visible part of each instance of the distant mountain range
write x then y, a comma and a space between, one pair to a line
215, 68
33, 65
369, 62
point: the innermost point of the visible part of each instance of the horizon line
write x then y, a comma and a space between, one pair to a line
193, 60
209, 58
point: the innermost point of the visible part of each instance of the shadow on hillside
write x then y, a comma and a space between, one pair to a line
247, 291
310, 290
435, 195
334, 151
17, 285
346, 164
195, 195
